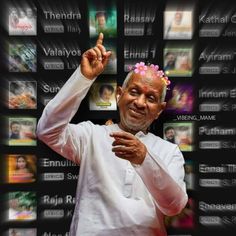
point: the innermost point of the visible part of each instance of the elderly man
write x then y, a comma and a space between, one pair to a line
129, 178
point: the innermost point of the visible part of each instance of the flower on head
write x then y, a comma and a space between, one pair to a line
160, 73
155, 67
140, 68
166, 80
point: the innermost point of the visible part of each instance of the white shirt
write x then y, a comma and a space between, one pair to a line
114, 197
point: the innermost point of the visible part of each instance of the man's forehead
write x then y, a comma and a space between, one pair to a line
154, 82
145, 87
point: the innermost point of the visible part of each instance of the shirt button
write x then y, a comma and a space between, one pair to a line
127, 191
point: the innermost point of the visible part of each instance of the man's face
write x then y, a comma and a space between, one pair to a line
15, 128
29, 12
14, 13
178, 17
170, 134
101, 21
170, 59
106, 95
22, 14
139, 103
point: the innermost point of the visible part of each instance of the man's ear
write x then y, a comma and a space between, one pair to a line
119, 92
162, 108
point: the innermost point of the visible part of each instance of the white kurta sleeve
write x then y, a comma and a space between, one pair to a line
54, 128
165, 182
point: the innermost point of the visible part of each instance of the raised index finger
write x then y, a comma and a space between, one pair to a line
100, 39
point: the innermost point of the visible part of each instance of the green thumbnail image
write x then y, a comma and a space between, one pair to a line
180, 133
103, 19
178, 61
21, 131
22, 206
22, 57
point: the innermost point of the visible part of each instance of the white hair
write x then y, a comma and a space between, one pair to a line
128, 77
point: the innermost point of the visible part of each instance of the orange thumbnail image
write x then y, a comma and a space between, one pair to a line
21, 168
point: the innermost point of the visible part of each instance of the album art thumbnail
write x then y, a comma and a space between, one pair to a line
22, 206
22, 95
111, 67
22, 232
178, 61
21, 168
22, 21
180, 133
22, 57
102, 96
184, 220
21, 131
178, 24
102, 20
180, 98
189, 177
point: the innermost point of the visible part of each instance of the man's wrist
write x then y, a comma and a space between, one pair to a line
84, 77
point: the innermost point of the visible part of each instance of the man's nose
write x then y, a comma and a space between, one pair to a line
140, 101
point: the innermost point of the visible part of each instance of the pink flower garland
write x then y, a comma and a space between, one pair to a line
141, 68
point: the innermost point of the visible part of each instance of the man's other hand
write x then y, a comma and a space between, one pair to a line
128, 147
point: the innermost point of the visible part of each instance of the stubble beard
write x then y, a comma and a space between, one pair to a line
130, 126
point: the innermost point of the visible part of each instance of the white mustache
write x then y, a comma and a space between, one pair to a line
137, 110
